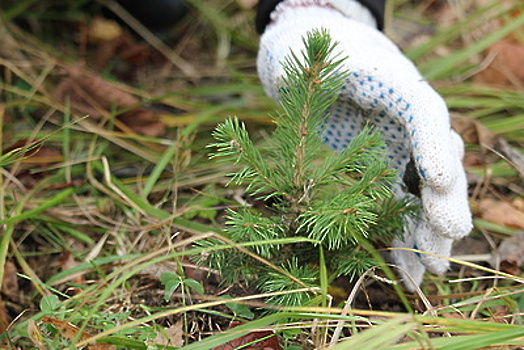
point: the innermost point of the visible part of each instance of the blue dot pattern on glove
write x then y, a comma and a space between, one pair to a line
346, 117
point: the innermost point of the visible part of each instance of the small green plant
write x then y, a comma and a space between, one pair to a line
59, 324
332, 200
173, 281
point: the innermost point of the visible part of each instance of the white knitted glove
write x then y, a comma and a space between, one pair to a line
386, 89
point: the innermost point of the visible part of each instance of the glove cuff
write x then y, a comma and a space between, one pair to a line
367, 11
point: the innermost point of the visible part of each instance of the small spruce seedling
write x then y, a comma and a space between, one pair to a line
334, 200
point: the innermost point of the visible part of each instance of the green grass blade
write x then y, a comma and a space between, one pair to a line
88, 266
159, 168
135, 200
469, 342
51, 202
379, 336
4, 248
445, 66
323, 273
450, 33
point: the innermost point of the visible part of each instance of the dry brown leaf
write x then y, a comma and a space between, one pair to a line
91, 95
510, 254
124, 46
39, 155
505, 68
4, 318
474, 132
66, 329
143, 122
35, 335
501, 213
174, 335
10, 282
270, 343
43, 156
70, 331
156, 270
29, 159
518, 34
67, 261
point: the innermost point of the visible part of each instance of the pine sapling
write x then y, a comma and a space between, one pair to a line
332, 200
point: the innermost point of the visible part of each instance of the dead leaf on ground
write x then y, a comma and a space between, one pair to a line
91, 95
501, 213
156, 270
30, 156
474, 132
33, 154
267, 341
10, 290
173, 335
510, 254
517, 34
67, 261
70, 331
35, 335
505, 67
10, 282
42, 156
4, 318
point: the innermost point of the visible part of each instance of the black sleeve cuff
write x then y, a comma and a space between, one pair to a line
265, 7
377, 9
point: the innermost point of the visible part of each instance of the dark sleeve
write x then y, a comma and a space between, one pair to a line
265, 7
377, 9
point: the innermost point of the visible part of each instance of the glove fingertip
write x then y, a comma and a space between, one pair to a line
409, 266
412, 278
448, 214
436, 266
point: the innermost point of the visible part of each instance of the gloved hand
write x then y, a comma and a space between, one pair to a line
386, 89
